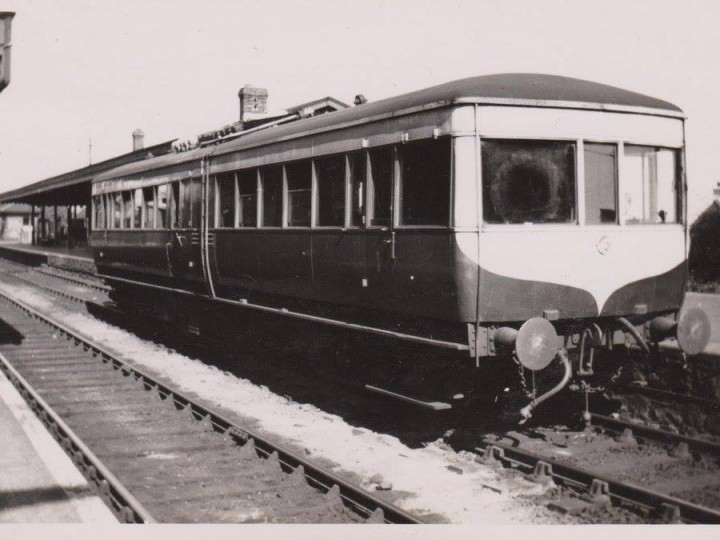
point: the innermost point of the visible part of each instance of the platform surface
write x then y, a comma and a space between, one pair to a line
82, 252
38, 482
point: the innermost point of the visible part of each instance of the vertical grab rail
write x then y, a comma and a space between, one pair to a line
205, 225
478, 214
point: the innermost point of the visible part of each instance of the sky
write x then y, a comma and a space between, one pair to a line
97, 70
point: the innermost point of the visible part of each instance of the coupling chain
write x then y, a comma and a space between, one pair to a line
523, 382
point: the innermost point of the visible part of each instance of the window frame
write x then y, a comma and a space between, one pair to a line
286, 195
531, 226
370, 188
218, 180
134, 192
363, 156
315, 193
116, 198
398, 186
680, 195
261, 197
167, 222
125, 209
145, 213
581, 180
255, 171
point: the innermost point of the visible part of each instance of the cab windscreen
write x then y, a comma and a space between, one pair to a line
528, 181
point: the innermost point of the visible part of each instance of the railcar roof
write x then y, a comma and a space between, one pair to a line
540, 87
525, 89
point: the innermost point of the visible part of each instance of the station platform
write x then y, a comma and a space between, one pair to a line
38, 481
78, 259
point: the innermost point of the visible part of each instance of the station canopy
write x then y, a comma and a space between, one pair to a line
74, 187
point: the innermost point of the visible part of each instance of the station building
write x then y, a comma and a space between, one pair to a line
15, 223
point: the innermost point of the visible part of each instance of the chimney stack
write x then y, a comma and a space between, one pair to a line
138, 140
253, 102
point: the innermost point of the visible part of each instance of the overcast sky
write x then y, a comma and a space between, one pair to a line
100, 69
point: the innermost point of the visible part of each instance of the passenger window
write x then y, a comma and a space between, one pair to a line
247, 190
195, 203
331, 191
117, 210
226, 199
137, 208
299, 181
528, 181
127, 209
174, 204
649, 185
99, 212
185, 212
149, 208
162, 205
380, 187
600, 183
425, 183
357, 189
272, 188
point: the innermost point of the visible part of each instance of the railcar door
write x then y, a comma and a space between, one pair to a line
380, 240
185, 243
207, 239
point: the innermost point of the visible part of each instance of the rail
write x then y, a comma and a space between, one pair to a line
619, 492
125, 506
354, 497
655, 435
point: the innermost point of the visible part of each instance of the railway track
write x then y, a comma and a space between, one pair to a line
75, 289
592, 490
74, 277
669, 396
593, 483
154, 453
588, 486
634, 431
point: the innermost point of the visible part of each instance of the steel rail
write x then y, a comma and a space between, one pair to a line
77, 280
667, 394
52, 290
655, 435
353, 496
123, 504
61, 274
618, 491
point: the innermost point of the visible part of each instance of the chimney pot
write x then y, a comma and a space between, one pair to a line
138, 140
253, 101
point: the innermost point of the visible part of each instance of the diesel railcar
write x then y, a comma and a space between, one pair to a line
511, 215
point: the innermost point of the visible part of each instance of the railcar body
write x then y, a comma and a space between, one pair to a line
514, 211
